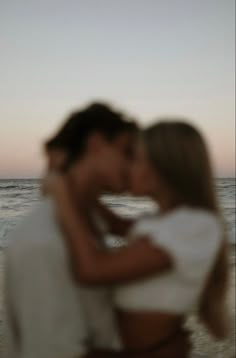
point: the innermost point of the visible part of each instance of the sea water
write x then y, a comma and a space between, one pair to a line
19, 196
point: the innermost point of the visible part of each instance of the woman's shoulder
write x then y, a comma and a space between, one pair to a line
191, 236
194, 219
182, 223
179, 216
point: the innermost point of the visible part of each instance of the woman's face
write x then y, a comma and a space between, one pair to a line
143, 178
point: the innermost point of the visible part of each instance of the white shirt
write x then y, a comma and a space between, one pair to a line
48, 315
192, 238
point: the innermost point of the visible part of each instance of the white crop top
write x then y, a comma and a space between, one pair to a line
192, 237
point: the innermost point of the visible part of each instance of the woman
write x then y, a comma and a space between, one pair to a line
172, 167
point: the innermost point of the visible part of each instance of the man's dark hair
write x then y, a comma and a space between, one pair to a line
73, 135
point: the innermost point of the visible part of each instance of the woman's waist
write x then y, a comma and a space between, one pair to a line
145, 330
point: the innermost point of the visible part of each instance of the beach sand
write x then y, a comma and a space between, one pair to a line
204, 345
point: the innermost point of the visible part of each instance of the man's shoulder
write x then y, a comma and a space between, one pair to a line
35, 229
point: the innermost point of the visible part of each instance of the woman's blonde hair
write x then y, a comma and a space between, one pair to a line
179, 154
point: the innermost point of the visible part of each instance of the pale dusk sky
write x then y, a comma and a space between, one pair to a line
152, 58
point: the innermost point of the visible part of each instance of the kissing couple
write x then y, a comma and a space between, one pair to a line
69, 294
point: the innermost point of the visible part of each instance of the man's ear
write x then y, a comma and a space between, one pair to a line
56, 159
95, 143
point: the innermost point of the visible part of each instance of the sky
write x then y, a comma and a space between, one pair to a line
152, 58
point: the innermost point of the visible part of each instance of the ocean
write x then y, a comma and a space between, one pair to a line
19, 196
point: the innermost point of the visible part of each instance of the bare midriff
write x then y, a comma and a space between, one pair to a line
145, 330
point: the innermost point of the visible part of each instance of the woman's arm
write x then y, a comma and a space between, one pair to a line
98, 266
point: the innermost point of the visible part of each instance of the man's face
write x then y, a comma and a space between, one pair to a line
124, 149
112, 161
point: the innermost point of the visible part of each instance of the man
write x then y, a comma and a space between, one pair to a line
47, 315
